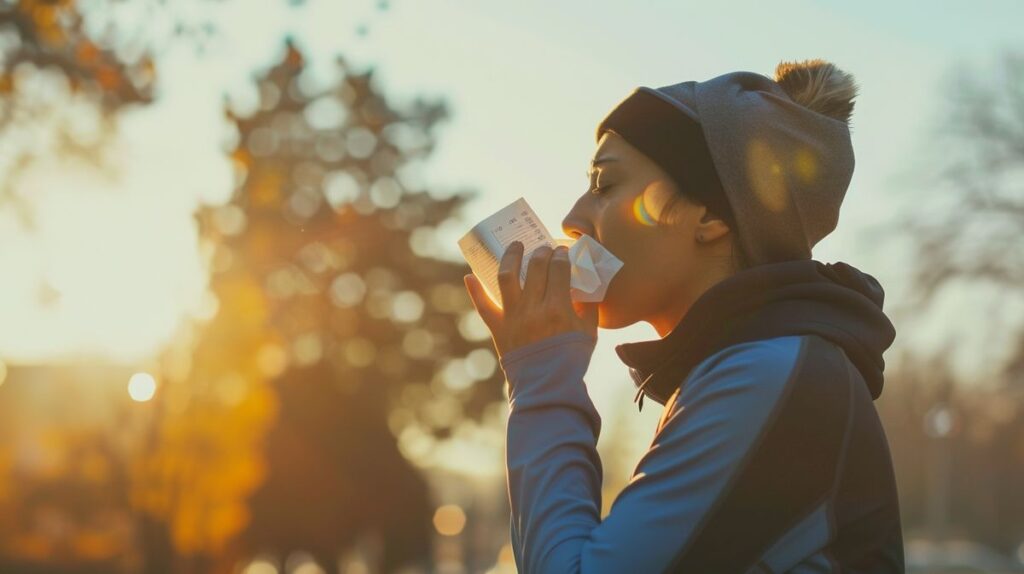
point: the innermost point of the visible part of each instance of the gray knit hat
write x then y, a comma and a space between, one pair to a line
772, 157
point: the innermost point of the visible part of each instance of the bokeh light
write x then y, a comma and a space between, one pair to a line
449, 520
481, 363
301, 563
407, 307
141, 387
260, 567
418, 343
271, 359
348, 289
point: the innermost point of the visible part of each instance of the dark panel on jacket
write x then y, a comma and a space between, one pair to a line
788, 474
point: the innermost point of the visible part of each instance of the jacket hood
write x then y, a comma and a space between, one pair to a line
804, 297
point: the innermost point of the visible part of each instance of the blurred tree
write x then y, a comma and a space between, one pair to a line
63, 484
968, 234
375, 334
62, 81
52, 34
972, 232
68, 67
338, 329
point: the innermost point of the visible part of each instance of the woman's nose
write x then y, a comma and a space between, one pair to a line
577, 223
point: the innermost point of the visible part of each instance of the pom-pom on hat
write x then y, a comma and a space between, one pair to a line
772, 157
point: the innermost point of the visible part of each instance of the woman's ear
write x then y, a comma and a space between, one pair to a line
710, 227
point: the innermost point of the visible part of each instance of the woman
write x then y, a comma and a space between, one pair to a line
769, 455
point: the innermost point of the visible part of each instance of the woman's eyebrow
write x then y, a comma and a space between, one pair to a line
598, 161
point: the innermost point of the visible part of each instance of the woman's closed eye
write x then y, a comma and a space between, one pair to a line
595, 182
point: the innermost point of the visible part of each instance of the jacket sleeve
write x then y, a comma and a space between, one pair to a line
554, 471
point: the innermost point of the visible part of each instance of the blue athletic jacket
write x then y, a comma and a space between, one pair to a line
769, 456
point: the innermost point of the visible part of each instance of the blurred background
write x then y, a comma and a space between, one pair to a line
233, 331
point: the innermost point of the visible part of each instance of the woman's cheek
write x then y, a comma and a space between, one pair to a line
621, 233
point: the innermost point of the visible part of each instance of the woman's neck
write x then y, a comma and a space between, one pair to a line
666, 320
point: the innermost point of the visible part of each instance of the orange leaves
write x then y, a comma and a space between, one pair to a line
97, 545
6, 456
32, 545
52, 35
242, 156
265, 187
206, 464
243, 299
199, 527
87, 53
207, 457
108, 78
48, 17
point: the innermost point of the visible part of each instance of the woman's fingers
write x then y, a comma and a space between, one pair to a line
559, 274
508, 275
485, 307
537, 274
558, 297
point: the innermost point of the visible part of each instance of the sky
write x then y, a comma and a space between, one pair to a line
527, 83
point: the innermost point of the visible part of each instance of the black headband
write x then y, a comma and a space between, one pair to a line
675, 142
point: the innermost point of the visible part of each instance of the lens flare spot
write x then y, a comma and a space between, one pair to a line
640, 211
806, 166
767, 178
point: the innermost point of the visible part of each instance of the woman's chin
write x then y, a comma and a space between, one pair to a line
610, 317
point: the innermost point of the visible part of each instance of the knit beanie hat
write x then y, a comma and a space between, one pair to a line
771, 157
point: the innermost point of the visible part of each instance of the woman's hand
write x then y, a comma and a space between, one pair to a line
541, 308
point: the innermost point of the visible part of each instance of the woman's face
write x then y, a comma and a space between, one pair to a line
626, 209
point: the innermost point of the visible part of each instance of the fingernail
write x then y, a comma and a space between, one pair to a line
561, 251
